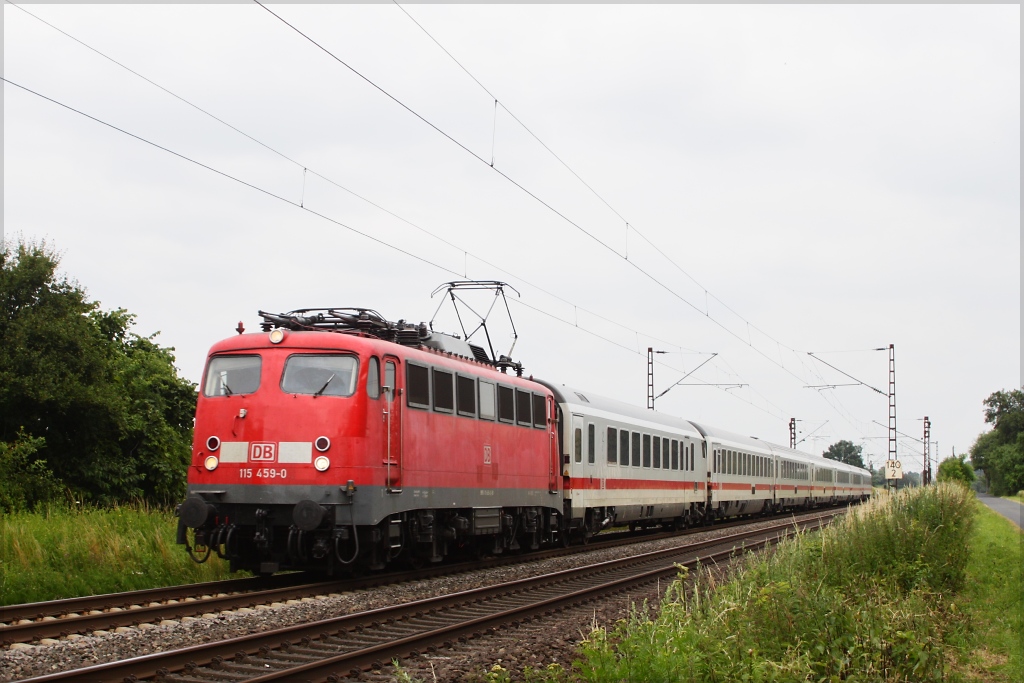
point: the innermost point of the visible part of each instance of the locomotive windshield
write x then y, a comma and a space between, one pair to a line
229, 375
320, 375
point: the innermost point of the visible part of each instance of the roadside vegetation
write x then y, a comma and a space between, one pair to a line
917, 586
999, 453
60, 552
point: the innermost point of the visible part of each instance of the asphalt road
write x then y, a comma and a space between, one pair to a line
1012, 510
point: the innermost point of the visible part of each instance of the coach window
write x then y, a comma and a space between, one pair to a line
636, 449
229, 375
465, 395
487, 411
647, 450
523, 411
664, 454
506, 404
624, 448
657, 452
613, 455
444, 392
675, 454
373, 378
591, 445
418, 379
577, 444
540, 404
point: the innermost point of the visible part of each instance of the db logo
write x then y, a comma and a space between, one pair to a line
260, 451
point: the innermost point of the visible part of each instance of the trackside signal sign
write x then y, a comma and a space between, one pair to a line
893, 469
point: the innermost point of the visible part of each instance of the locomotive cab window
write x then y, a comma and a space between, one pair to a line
487, 400
306, 373
465, 395
418, 382
227, 375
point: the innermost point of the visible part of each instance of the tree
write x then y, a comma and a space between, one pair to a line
955, 469
103, 408
1000, 452
845, 451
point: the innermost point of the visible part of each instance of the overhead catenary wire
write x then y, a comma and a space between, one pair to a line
465, 253
299, 206
598, 195
532, 194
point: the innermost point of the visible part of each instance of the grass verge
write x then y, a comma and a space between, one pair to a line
62, 553
919, 586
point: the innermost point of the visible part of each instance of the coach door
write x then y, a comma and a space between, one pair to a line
393, 391
554, 459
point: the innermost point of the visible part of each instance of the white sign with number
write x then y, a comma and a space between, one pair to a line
893, 469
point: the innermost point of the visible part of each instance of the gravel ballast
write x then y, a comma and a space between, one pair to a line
530, 644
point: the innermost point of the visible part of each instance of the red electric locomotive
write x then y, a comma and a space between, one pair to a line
321, 450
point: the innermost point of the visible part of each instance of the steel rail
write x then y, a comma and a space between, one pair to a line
262, 644
33, 621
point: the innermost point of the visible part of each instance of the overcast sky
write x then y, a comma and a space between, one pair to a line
812, 179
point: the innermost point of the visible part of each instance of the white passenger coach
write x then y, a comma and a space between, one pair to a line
623, 465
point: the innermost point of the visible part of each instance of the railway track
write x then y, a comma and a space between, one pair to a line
334, 648
35, 622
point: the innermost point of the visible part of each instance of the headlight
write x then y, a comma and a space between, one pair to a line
277, 336
322, 443
321, 463
211, 462
213, 443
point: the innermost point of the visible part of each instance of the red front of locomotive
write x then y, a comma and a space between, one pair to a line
287, 413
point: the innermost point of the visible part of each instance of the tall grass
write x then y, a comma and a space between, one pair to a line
61, 553
869, 599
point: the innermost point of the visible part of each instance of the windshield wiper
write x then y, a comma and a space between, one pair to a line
324, 387
226, 388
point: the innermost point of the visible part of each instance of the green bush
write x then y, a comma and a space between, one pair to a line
25, 480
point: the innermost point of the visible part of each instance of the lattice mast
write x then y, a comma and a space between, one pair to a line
650, 378
927, 451
892, 402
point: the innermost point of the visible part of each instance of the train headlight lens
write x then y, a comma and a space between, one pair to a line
322, 443
213, 443
322, 463
277, 336
211, 462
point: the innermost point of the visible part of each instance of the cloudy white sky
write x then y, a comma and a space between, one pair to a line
826, 179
